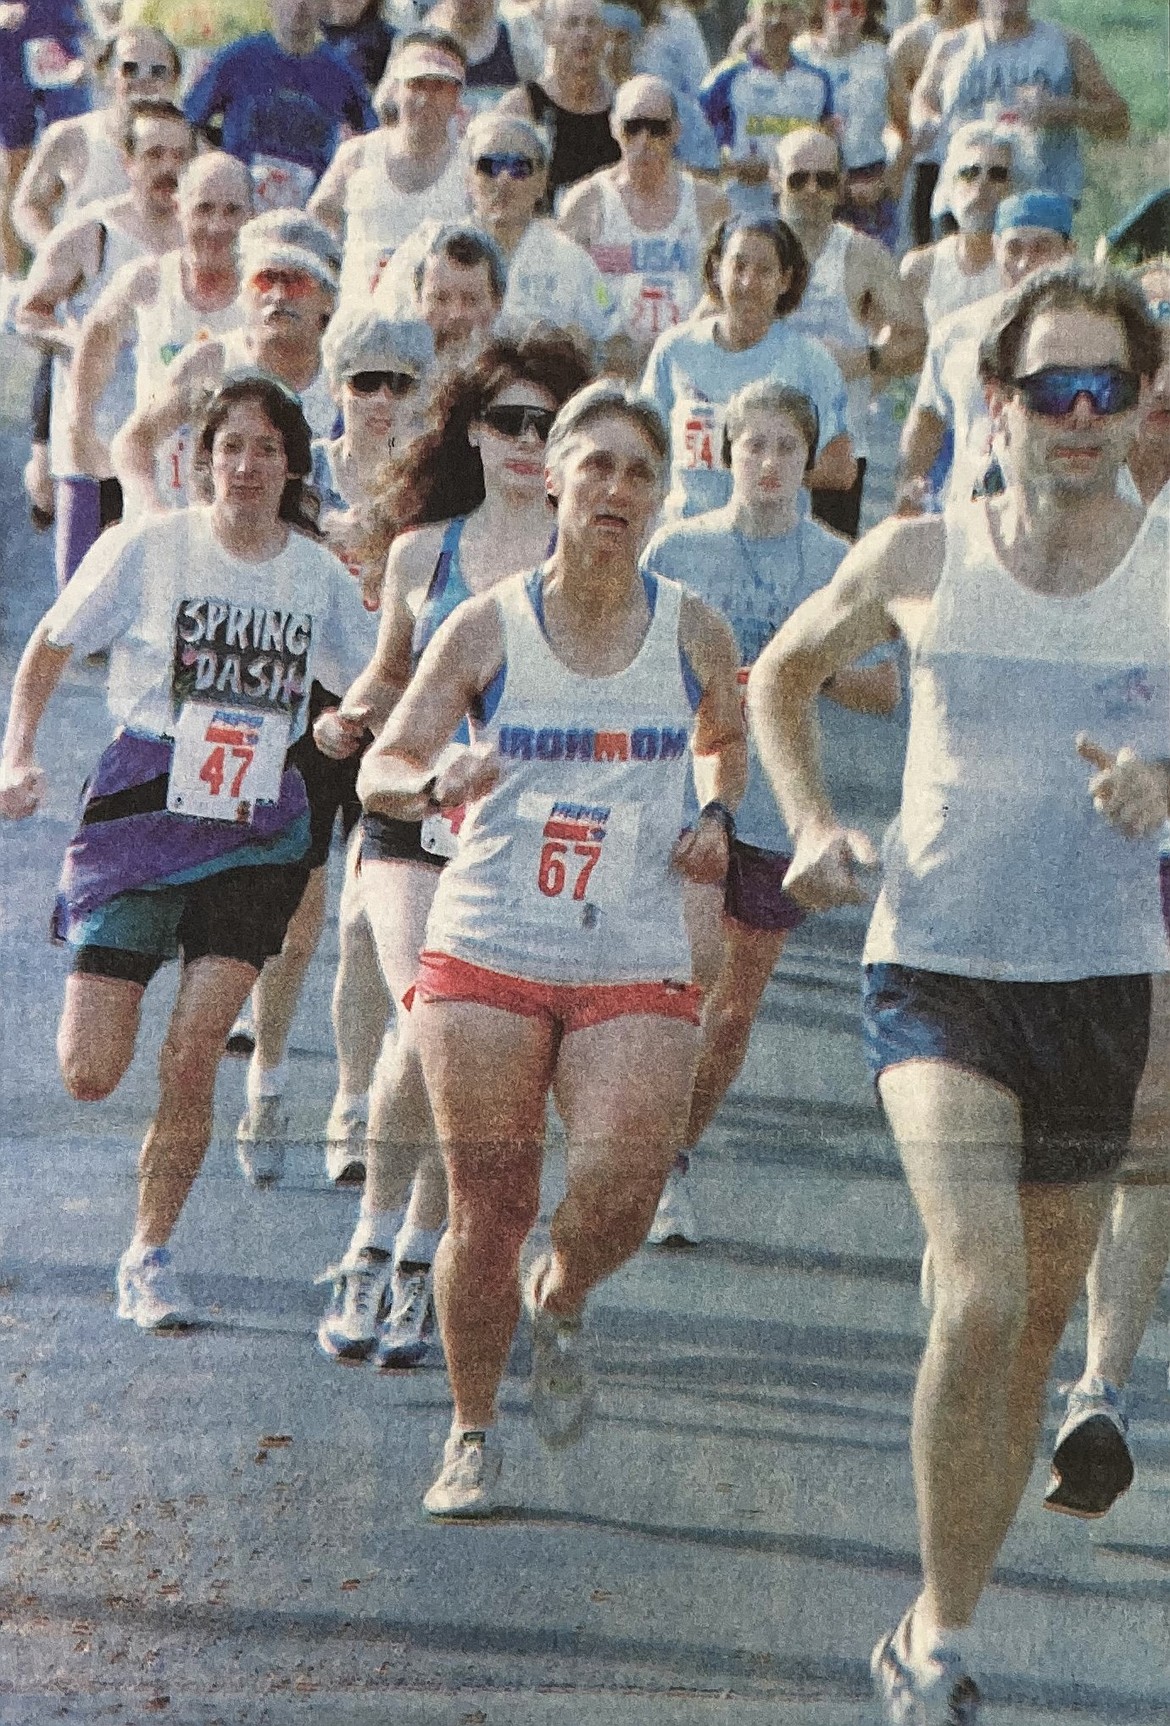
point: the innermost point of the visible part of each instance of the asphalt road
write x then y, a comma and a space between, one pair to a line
226, 1527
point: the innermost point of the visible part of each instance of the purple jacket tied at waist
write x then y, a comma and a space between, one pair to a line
128, 839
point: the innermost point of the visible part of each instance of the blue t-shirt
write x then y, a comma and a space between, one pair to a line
692, 379
284, 109
750, 108
756, 584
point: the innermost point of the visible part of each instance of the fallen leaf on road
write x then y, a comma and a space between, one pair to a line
600, 1594
277, 1440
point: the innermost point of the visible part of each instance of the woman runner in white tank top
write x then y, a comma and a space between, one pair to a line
557, 958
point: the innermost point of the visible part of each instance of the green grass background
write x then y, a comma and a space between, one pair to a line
1132, 39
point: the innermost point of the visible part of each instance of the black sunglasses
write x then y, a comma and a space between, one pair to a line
827, 179
369, 383
513, 422
505, 162
1053, 391
997, 175
648, 123
135, 70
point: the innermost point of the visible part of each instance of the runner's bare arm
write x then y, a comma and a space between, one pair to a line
889, 307
719, 744
22, 783
579, 217
328, 201
42, 186
107, 324
866, 688
62, 266
836, 468
1094, 105
396, 774
133, 450
898, 563
922, 440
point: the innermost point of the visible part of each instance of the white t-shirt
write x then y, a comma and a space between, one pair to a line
180, 614
550, 278
949, 386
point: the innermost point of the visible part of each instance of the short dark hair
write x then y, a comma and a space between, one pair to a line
151, 108
1062, 287
467, 247
790, 255
281, 407
768, 396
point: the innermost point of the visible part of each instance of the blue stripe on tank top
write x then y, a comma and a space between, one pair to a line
535, 589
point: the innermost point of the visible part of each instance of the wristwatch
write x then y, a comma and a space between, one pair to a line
717, 811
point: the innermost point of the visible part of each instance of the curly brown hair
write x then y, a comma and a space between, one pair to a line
438, 475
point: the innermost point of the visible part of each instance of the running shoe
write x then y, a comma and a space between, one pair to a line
562, 1385
1091, 1463
361, 1286
260, 1141
345, 1146
675, 1224
948, 1697
402, 1340
148, 1292
467, 1481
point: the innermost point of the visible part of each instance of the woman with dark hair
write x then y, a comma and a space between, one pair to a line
464, 506
756, 273
194, 829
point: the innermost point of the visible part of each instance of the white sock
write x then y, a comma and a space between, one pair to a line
376, 1229
352, 1103
929, 1641
139, 1247
417, 1246
266, 1081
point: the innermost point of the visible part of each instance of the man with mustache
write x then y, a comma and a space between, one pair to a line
68, 274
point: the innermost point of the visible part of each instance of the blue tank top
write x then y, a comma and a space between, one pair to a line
446, 590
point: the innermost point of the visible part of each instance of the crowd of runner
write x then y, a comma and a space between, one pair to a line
453, 426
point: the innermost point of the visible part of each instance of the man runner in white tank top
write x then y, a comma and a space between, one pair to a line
1010, 954
556, 954
979, 171
645, 222
161, 304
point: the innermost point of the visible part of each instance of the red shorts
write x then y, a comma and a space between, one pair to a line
567, 1006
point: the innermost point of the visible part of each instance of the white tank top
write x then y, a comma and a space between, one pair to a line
998, 865
825, 312
950, 288
117, 403
654, 276
317, 405
379, 216
165, 327
104, 174
563, 871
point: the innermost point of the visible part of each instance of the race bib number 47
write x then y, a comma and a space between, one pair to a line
572, 859
226, 760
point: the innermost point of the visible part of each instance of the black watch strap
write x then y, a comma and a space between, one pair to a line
717, 811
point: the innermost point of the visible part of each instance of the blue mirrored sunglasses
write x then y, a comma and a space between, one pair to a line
1052, 392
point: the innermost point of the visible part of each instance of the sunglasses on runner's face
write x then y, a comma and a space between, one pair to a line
496, 166
295, 285
648, 123
996, 174
826, 179
1052, 392
369, 383
136, 70
515, 421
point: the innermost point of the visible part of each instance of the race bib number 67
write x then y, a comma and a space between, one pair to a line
572, 859
226, 760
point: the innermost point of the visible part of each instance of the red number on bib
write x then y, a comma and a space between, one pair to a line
244, 757
211, 772
551, 874
590, 853
176, 475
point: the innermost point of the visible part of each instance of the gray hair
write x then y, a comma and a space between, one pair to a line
598, 401
986, 135
361, 339
768, 396
292, 228
199, 167
484, 124
469, 247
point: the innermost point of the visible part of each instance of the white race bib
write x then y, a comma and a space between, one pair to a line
281, 185
226, 760
697, 435
570, 860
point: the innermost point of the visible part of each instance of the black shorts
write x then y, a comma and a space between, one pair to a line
331, 786
1071, 1054
387, 841
754, 894
236, 914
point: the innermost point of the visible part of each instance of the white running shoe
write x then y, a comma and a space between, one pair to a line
260, 1141
148, 1292
466, 1483
562, 1385
402, 1340
675, 1223
361, 1285
241, 1039
345, 1146
948, 1696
